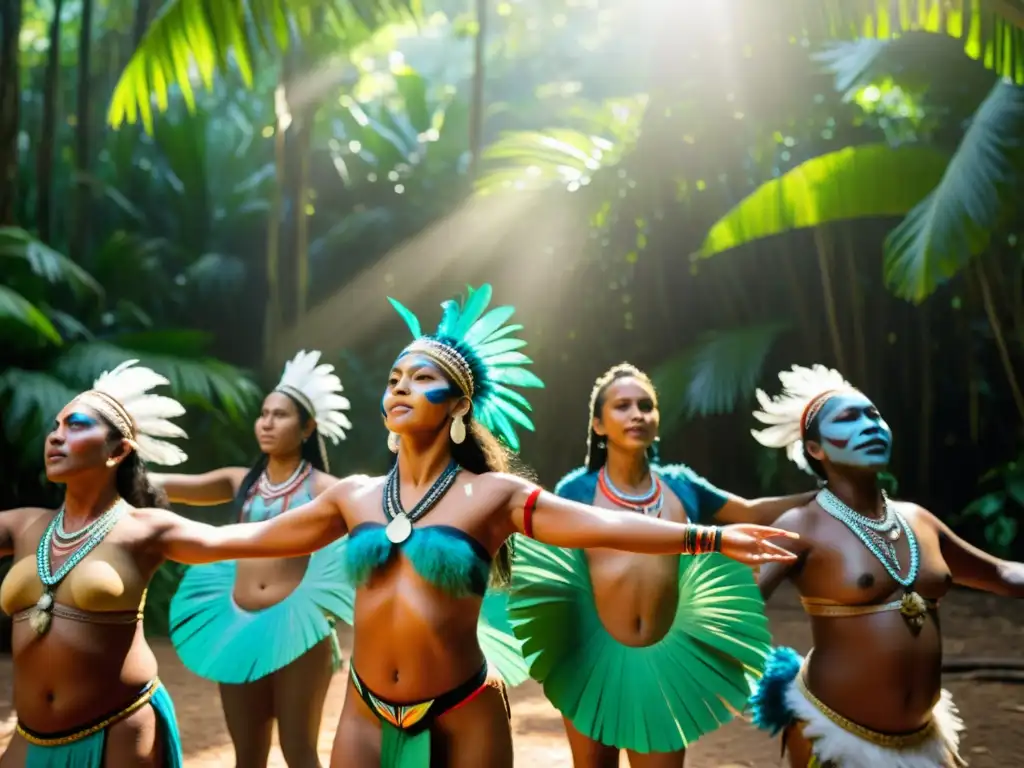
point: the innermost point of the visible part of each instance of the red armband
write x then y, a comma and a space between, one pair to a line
531, 504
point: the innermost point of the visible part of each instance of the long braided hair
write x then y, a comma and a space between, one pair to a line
597, 450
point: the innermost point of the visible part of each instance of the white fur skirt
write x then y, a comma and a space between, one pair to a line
938, 746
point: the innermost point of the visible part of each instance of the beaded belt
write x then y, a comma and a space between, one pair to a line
895, 742
69, 737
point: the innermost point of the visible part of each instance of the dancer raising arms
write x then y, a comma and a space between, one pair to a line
263, 629
870, 573
85, 684
635, 621
425, 538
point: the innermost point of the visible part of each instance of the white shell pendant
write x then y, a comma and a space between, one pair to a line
399, 529
40, 617
894, 534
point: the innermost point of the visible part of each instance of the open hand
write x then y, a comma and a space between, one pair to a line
750, 544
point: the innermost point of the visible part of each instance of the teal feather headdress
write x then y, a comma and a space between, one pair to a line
476, 349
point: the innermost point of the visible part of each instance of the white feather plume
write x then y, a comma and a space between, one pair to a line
129, 385
319, 385
783, 413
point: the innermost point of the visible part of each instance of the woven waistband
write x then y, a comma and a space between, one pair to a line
813, 607
897, 742
77, 734
88, 617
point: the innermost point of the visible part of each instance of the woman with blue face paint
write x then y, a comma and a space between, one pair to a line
426, 539
871, 572
635, 621
264, 629
86, 689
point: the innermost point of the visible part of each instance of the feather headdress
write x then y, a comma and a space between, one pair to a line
477, 351
123, 397
316, 386
804, 392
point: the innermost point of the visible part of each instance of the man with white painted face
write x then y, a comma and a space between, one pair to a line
870, 572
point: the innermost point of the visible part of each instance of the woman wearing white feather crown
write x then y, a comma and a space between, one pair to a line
870, 572
263, 629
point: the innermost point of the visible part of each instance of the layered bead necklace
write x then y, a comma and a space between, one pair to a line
75, 546
399, 527
650, 502
269, 491
878, 535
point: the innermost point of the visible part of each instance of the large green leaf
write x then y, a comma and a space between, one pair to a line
31, 401
206, 34
715, 375
45, 262
954, 223
870, 180
198, 381
16, 308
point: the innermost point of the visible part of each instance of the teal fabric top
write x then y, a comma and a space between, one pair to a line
447, 557
256, 509
700, 499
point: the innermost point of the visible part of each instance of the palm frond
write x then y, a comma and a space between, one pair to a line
45, 262
715, 375
199, 382
954, 223
17, 309
865, 181
200, 37
31, 401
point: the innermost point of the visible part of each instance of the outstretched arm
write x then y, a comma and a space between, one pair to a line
299, 531
207, 489
971, 567
563, 523
760, 511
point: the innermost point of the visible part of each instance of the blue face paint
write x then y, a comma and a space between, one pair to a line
80, 420
853, 432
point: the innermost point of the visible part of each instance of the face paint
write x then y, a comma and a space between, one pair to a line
80, 420
853, 432
440, 393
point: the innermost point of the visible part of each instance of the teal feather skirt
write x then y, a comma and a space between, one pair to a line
88, 752
218, 640
659, 698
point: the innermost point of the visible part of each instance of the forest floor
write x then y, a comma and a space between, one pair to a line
973, 624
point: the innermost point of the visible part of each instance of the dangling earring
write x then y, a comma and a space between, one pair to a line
111, 462
458, 430
393, 441
600, 444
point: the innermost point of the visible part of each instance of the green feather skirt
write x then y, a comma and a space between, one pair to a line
659, 698
220, 641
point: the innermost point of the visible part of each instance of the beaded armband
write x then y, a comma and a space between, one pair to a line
702, 539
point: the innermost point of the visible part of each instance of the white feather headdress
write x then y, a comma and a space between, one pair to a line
122, 397
804, 391
317, 387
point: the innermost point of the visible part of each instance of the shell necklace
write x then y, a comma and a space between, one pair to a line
399, 527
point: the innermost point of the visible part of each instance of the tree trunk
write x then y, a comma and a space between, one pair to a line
476, 115
78, 244
44, 157
10, 101
823, 246
997, 331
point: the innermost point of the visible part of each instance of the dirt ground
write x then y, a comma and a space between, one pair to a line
975, 625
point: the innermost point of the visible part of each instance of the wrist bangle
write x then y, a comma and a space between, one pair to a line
718, 539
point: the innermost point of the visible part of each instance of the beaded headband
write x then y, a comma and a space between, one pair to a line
111, 410
448, 359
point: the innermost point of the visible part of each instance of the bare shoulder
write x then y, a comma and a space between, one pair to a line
353, 488
502, 482
916, 515
323, 481
154, 519
18, 519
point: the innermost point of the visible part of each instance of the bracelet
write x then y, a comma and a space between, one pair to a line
531, 504
702, 539
718, 538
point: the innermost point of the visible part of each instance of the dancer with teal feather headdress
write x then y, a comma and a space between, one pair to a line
77, 586
638, 652
432, 641
264, 629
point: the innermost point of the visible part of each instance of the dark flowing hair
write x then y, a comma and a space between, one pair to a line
597, 451
132, 480
813, 432
312, 450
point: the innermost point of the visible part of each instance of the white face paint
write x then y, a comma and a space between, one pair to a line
853, 432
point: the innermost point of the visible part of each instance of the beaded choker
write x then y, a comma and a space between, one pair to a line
649, 503
399, 527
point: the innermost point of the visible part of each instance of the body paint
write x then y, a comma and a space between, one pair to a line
853, 433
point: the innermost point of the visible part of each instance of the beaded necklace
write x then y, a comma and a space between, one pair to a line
649, 503
56, 537
879, 536
399, 527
